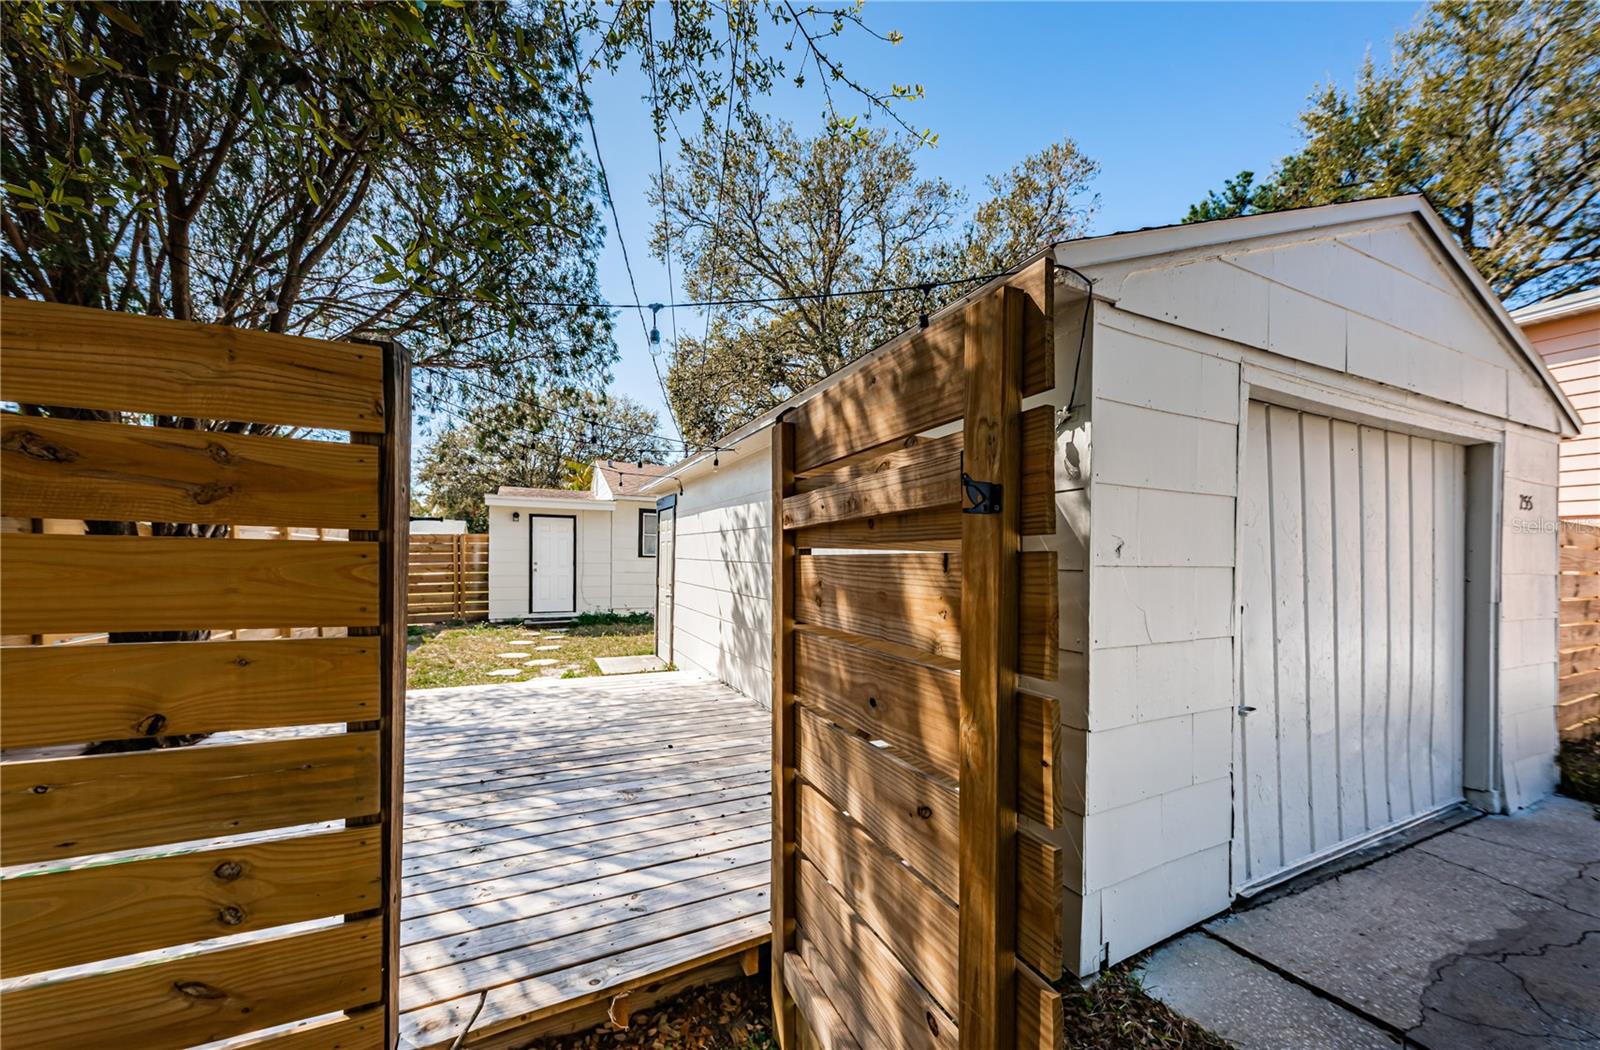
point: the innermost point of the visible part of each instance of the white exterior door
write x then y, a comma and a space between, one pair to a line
666, 550
552, 564
1352, 564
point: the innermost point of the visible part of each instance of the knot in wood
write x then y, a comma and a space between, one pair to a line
241, 661
40, 789
925, 812
36, 446
153, 725
230, 915
228, 870
933, 1022
218, 453
872, 701
210, 492
198, 990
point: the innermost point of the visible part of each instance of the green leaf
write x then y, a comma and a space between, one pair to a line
164, 161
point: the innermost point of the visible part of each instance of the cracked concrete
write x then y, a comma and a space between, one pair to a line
1487, 935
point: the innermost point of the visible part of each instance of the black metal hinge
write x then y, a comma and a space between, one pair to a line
980, 497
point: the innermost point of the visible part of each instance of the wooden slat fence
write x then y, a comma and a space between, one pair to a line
1578, 699
909, 909
448, 578
245, 882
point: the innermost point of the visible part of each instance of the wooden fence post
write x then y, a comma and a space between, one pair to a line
989, 593
394, 538
784, 729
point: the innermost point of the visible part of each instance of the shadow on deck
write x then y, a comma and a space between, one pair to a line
570, 842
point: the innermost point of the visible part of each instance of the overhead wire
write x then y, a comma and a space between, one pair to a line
661, 174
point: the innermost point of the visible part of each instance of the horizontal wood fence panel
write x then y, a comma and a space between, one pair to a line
912, 599
71, 917
924, 476
1037, 282
203, 997
1038, 496
1576, 686
889, 692
1039, 616
916, 817
1580, 559
1579, 635
144, 583
448, 578
883, 893
1584, 587
1578, 690
359, 1031
913, 385
1039, 790
74, 694
83, 358
1580, 534
1040, 904
911, 814
868, 985
816, 1005
915, 600
115, 802
902, 452
910, 699
1040, 1018
64, 468
936, 529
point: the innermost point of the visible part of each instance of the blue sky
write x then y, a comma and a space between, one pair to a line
1170, 98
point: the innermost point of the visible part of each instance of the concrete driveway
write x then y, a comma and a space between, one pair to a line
1485, 935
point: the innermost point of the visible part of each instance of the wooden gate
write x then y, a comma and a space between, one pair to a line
908, 908
240, 876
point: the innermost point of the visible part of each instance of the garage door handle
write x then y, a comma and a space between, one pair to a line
1245, 709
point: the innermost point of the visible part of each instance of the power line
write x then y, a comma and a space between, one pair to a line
661, 173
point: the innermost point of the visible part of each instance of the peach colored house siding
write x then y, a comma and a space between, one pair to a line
1566, 333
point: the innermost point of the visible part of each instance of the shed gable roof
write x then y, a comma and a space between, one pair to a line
1422, 316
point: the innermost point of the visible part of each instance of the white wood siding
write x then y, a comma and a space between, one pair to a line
722, 618
1570, 346
1369, 323
1352, 577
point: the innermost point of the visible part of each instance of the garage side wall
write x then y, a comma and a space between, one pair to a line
722, 624
1368, 322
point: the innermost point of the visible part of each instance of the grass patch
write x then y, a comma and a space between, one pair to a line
1580, 769
464, 654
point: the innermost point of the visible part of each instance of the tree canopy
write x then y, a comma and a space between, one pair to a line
809, 222
1488, 109
530, 443
343, 169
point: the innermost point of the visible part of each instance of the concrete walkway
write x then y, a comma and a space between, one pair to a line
1487, 935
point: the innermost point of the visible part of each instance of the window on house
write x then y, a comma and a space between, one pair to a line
647, 533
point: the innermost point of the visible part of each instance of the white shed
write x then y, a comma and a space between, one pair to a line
1305, 471
558, 552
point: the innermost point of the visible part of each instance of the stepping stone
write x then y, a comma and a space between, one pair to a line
540, 663
520, 641
545, 648
516, 654
503, 671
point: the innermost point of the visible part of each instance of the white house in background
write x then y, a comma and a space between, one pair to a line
438, 527
1305, 471
559, 552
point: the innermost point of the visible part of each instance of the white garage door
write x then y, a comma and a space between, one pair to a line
1352, 566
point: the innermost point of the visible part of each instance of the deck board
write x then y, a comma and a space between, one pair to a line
567, 840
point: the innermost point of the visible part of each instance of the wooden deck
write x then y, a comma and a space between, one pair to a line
568, 841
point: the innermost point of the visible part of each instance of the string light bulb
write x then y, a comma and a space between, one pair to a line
655, 333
